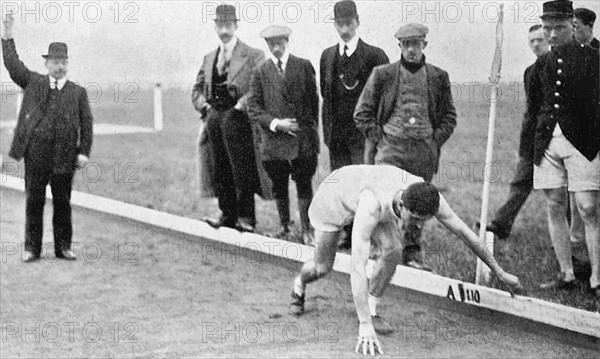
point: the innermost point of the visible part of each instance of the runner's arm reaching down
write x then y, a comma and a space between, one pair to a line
451, 220
368, 213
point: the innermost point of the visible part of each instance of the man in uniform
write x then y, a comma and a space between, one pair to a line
379, 200
54, 135
285, 103
220, 95
565, 111
406, 110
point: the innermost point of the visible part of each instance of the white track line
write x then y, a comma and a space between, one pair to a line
557, 315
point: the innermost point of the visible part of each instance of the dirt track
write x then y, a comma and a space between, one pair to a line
140, 292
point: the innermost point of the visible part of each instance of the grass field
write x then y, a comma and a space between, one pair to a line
159, 171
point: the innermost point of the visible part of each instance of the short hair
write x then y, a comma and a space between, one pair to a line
535, 27
587, 17
421, 198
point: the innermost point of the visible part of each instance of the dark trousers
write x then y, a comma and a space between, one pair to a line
520, 188
37, 176
302, 170
346, 152
236, 175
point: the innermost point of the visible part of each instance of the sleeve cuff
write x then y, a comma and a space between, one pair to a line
273, 125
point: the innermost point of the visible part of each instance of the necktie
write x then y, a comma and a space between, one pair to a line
345, 51
222, 61
280, 67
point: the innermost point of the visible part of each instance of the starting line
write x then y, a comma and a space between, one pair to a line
538, 310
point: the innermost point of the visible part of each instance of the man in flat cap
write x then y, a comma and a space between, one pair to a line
406, 111
285, 103
584, 27
344, 70
54, 137
220, 95
565, 113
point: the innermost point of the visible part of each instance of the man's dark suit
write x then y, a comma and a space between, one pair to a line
292, 96
337, 138
229, 133
48, 160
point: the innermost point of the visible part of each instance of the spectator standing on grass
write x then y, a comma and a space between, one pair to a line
584, 27
563, 105
406, 110
379, 200
522, 183
54, 136
285, 103
220, 95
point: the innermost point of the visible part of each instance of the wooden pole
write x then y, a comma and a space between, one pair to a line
483, 275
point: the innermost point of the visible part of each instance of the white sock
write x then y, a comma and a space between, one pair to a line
372, 304
298, 286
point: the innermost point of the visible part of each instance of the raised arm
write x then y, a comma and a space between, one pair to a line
367, 217
19, 73
449, 219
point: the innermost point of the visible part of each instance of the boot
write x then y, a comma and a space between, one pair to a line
283, 208
307, 231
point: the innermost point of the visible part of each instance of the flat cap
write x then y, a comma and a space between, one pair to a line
557, 9
413, 30
275, 31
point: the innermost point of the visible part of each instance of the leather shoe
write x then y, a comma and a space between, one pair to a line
219, 222
499, 232
559, 283
29, 257
417, 264
596, 292
308, 238
66, 254
297, 304
244, 225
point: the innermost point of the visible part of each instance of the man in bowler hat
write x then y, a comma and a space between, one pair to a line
406, 111
565, 118
54, 136
220, 95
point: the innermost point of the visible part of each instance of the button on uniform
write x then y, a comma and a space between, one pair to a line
559, 71
560, 61
556, 106
558, 83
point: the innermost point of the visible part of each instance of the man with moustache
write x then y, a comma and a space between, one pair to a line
584, 27
220, 95
563, 105
54, 136
285, 103
406, 110
344, 70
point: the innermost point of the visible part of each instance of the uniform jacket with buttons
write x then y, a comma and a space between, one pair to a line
79, 123
299, 100
565, 89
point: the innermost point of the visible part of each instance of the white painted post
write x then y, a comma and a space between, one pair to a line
158, 111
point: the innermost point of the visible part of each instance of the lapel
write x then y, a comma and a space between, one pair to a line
208, 67
431, 83
290, 78
360, 53
329, 60
391, 94
238, 60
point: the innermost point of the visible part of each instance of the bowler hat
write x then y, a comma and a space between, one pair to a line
557, 9
226, 13
412, 31
588, 17
275, 31
57, 50
344, 10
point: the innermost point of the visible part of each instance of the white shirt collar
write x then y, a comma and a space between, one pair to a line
284, 59
352, 45
228, 47
59, 83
